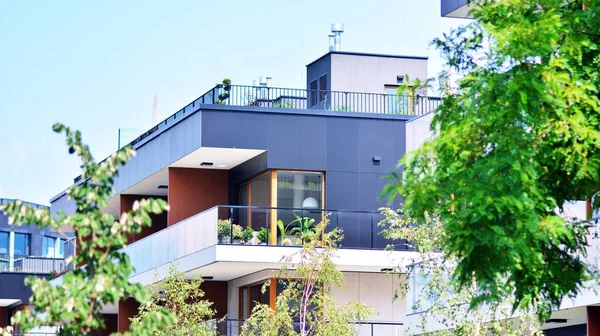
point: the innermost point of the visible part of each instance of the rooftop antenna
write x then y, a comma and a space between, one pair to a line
155, 111
337, 29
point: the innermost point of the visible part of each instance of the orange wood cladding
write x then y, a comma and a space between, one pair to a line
3, 317
192, 191
593, 320
159, 222
216, 292
128, 308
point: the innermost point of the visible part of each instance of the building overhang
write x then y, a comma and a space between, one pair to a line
455, 9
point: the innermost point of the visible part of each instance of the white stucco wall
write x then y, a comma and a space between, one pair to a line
357, 73
374, 289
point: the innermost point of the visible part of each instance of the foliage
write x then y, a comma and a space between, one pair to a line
104, 279
263, 235
224, 228
283, 231
247, 234
237, 231
282, 104
225, 85
439, 299
516, 140
306, 306
183, 298
306, 228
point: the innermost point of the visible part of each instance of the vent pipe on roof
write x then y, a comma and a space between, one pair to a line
331, 42
337, 29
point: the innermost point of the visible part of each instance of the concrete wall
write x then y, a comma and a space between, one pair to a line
374, 289
361, 73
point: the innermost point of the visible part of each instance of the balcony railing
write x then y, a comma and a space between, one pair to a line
360, 231
32, 264
273, 97
233, 327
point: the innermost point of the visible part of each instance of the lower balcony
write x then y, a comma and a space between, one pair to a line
262, 236
31, 264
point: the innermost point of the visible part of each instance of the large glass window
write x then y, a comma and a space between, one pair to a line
302, 191
21, 244
4, 242
52, 247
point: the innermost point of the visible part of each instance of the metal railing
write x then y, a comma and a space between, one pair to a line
233, 327
32, 264
360, 229
341, 101
33, 205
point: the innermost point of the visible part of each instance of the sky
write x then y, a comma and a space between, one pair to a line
96, 65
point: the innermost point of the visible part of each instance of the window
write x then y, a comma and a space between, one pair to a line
3, 242
53, 247
313, 93
299, 190
21, 244
323, 88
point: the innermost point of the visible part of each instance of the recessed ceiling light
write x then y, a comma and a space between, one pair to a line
207, 278
387, 270
206, 164
162, 186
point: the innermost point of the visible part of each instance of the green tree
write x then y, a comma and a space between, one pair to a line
76, 303
184, 299
516, 140
306, 306
440, 301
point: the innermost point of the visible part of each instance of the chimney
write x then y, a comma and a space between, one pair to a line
331, 42
337, 29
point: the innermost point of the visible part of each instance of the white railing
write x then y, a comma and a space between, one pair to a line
186, 237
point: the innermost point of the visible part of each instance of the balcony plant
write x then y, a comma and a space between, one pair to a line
236, 234
284, 237
247, 235
224, 231
263, 236
305, 229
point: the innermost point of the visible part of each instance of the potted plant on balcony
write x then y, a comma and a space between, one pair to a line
263, 236
305, 229
237, 233
224, 231
247, 236
284, 237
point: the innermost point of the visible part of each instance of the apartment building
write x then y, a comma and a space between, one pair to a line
265, 154
24, 251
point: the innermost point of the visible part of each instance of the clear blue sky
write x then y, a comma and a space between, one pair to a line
96, 65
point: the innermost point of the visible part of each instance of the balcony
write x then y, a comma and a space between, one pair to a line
32, 264
192, 236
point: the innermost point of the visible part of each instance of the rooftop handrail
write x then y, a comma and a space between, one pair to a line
31, 204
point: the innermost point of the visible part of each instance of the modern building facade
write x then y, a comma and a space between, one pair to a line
264, 156
26, 250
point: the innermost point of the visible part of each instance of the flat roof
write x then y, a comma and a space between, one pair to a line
351, 53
